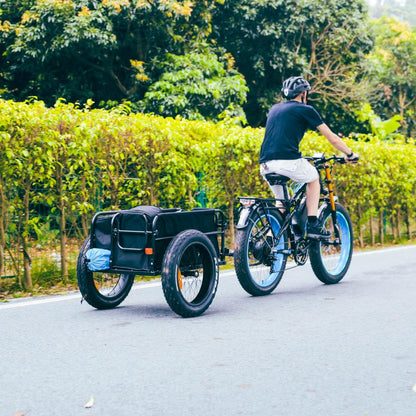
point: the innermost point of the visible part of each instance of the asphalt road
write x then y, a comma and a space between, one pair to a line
306, 350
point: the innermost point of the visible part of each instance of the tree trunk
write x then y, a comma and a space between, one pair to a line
372, 234
360, 231
381, 226
231, 224
84, 219
2, 245
84, 224
27, 263
64, 260
62, 224
15, 266
407, 219
2, 229
398, 226
393, 228
190, 197
152, 195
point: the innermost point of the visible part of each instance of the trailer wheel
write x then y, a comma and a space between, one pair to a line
101, 290
190, 273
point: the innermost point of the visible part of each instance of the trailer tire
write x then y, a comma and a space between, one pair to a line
190, 273
100, 289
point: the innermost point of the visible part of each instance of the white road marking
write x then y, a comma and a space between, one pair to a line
36, 301
20, 303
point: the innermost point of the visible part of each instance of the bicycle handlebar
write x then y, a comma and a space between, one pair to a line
321, 159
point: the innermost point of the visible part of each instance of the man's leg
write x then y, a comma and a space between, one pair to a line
313, 192
315, 230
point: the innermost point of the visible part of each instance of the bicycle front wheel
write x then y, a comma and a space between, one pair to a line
331, 259
258, 269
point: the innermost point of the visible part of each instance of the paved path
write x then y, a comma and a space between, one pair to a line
306, 350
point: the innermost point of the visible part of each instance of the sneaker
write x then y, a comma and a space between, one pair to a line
316, 232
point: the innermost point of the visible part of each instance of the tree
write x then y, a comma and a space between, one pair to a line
112, 50
197, 86
103, 50
272, 40
31, 167
337, 39
6, 169
262, 37
72, 171
392, 67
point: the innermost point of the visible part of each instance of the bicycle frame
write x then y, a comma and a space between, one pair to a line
290, 205
255, 205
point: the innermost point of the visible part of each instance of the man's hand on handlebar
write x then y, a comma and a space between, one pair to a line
353, 158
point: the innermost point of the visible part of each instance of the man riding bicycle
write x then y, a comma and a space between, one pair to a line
286, 125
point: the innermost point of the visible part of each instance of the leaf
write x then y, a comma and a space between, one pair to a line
90, 403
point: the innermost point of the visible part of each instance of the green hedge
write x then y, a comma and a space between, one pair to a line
60, 165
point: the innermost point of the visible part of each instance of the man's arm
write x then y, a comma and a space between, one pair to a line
335, 140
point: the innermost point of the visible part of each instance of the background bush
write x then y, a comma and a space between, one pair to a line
60, 165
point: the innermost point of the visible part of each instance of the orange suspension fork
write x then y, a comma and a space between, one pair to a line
332, 200
330, 187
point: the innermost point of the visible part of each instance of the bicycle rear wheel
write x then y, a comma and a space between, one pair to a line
330, 259
257, 270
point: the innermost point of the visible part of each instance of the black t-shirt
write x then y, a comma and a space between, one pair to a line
286, 125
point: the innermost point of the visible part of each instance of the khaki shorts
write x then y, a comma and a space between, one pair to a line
299, 170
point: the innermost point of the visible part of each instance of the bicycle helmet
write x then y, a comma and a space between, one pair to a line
293, 86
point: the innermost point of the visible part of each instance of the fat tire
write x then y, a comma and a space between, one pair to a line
175, 258
241, 260
88, 289
315, 251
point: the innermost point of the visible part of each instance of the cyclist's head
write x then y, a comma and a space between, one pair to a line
294, 86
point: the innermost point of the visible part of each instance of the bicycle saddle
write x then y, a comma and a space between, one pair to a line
276, 179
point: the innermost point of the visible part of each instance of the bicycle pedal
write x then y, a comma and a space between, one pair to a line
285, 252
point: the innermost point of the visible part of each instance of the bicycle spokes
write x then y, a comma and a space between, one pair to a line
335, 250
263, 258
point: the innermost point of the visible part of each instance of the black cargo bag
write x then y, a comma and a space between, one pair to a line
169, 224
126, 234
138, 237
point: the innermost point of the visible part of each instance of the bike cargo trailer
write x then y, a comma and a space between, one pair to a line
185, 247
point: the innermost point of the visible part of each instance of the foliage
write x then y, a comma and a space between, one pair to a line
197, 86
383, 129
132, 50
103, 50
393, 70
273, 40
337, 39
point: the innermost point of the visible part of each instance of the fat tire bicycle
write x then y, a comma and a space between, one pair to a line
269, 233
